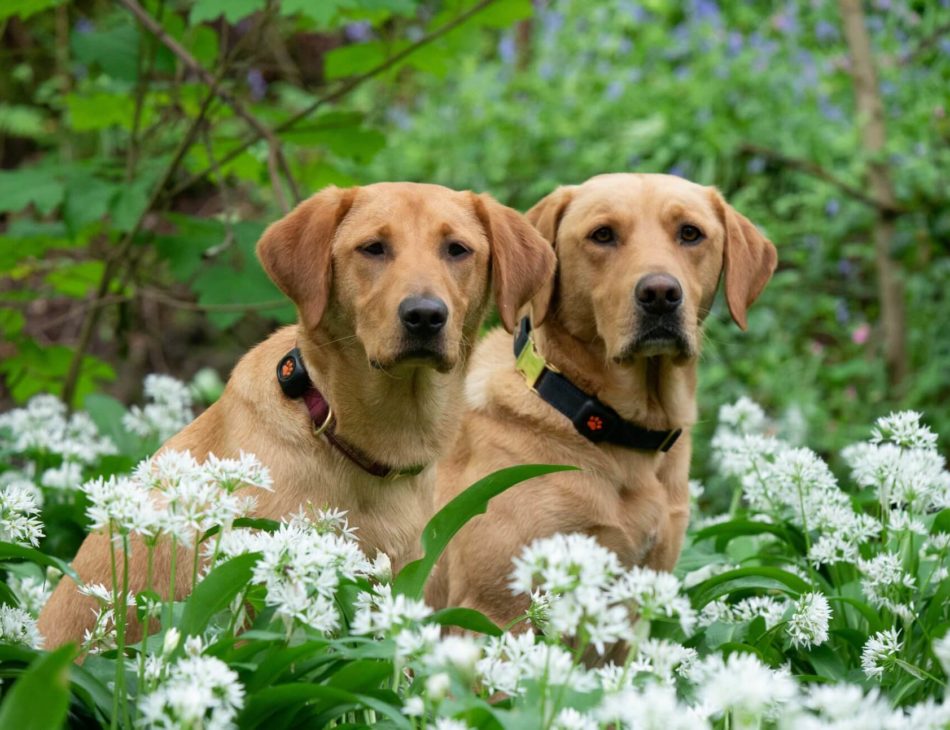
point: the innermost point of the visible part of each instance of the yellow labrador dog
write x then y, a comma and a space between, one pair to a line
390, 282
603, 378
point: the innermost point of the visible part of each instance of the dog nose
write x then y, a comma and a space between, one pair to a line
423, 316
659, 293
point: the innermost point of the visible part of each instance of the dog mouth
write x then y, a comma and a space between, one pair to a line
661, 338
426, 356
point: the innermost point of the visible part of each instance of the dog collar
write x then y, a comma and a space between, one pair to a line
295, 382
592, 418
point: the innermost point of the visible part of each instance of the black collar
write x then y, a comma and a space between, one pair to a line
295, 383
592, 418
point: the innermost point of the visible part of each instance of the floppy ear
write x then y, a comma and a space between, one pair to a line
295, 251
546, 216
749, 259
522, 261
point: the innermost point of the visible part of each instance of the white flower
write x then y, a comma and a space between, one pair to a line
437, 686
843, 707
563, 563
662, 658
168, 413
414, 707
771, 610
19, 520
885, 583
655, 707
382, 567
384, 614
18, 627
512, 659
571, 719
655, 595
808, 625
67, 476
199, 691
879, 652
941, 649
43, 426
122, 504
448, 723
904, 429
32, 592
230, 474
170, 642
418, 642
743, 687
460, 652
745, 416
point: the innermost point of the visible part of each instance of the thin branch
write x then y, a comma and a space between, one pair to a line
166, 299
339, 93
260, 129
891, 208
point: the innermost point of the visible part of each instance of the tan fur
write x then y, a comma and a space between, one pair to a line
635, 503
399, 411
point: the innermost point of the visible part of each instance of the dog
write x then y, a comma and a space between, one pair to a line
390, 282
605, 381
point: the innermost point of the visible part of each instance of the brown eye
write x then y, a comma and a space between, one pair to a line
604, 235
373, 249
457, 250
690, 234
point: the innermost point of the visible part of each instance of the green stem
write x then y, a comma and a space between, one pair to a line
114, 723
173, 559
149, 554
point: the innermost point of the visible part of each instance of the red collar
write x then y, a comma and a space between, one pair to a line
295, 382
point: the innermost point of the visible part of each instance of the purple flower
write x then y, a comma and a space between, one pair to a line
755, 165
677, 169
85, 25
614, 90
826, 32
832, 207
359, 32
257, 84
734, 42
551, 22
845, 268
507, 48
706, 10
842, 313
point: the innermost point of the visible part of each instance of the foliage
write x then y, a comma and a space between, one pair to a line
809, 604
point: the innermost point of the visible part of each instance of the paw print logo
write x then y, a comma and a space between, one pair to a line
595, 423
287, 368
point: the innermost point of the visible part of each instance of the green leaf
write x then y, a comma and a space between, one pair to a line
451, 518
25, 186
11, 551
25, 8
99, 110
76, 279
465, 618
232, 10
726, 531
354, 59
763, 577
21, 121
216, 591
39, 699
269, 701
111, 47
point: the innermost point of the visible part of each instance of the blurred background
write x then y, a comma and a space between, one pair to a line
145, 144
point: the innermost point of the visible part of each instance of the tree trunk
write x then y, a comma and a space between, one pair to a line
873, 135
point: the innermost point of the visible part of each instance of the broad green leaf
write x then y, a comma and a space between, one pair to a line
465, 618
232, 10
75, 279
763, 577
216, 591
99, 110
111, 47
39, 699
451, 518
276, 663
25, 8
355, 59
17, 120
272, 700
361, 675
24, 186
11, 551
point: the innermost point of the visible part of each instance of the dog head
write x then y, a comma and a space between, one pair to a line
404, 268
639, 260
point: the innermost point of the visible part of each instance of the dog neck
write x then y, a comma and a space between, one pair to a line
401, 420
657, 392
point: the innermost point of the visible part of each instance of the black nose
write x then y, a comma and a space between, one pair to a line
423, 316
659, 293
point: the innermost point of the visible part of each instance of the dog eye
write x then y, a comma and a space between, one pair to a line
457, 250
373, 249
690, 234
603, 235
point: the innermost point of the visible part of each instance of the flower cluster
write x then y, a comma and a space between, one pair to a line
168, 412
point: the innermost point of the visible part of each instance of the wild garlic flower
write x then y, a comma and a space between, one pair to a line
198, 691
571, 719
844, 706
168, 413
654, 707
458, 652
886, 584
654, 596
742, 687
769, 609
19, 515
43, 426
448, 723
879, 652
32, 592
383, 614
512, 660
102, 635
65, 477
808, 625
418, 643
19, 627
663, 658
122, 504
915, 478
564, 563
745, 416
905, 430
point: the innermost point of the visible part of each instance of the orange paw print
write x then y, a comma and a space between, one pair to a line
595, 423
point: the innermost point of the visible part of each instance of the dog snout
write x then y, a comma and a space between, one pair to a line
423, 316
659, 294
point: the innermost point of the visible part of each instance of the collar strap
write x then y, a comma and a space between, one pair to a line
592, 418
295, 383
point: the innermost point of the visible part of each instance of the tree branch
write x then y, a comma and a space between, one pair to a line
817, 171
260, 129
339, 93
